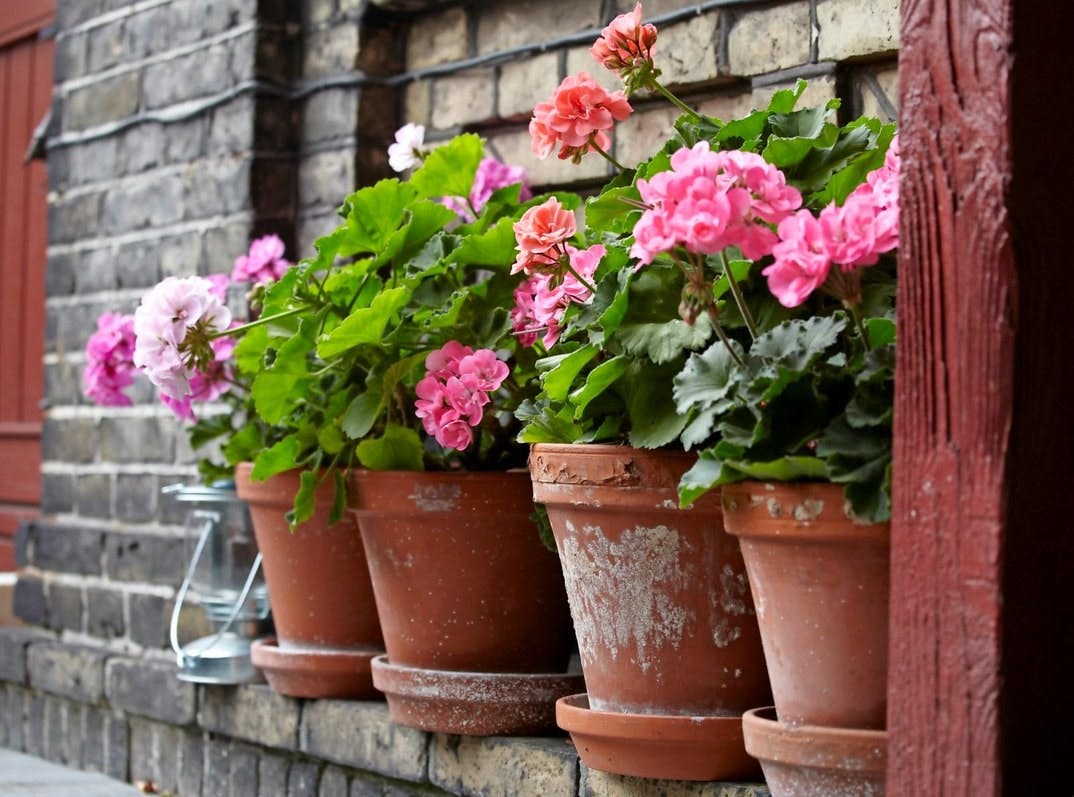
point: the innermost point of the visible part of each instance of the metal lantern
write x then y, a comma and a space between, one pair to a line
224, 579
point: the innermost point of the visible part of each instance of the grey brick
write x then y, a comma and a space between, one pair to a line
497, 767
35, 725
57, 492
272, 771
74, 218
93, 742
183, 78
150, 689
65, 606
242, 776
93, 495
217, 768
69, 439
149, 616
144, 557
13, 645
154, 754
326, 177
74, 740
67, 670
136, 440
147, 203
185, 141
69, 57
138, 264
330, 114
55, 730
60, 274
333, 783
92, 161
104, 612
106, 100
30, 606
604, 784
217, 186
515, 22
96, 271
25, 534
136, 496
331, 51
252, 713
191, 764
14, 706
141, 147
302, 779
181, 256
105, 45
361, 735
116, 739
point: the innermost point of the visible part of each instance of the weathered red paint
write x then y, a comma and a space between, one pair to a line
984, 431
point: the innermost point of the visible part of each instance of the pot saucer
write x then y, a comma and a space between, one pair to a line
814, 759
656, 745
316, 672
472, 703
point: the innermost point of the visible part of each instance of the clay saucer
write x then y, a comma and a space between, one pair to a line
811, 759
472, 703
316, 672
656, 745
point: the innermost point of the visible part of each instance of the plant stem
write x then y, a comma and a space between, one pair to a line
607, 156
239, 330
726, 341
656, 85
740, 300
859, 325
585, 283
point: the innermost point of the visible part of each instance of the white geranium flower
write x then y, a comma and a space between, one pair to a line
406, 153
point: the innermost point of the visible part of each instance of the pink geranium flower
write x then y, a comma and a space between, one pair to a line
626, 46
802, 260
577, 117
540, 304
110, 361
492, 175
264, 262
456, 387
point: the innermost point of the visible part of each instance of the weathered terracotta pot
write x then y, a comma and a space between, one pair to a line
462, 583
659, 597
661, 608
807, 760
820, 583
322, 601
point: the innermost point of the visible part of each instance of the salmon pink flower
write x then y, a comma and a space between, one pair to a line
542, 233
577, 117
626, 46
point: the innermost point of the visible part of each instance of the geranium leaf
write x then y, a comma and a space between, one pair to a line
375, 214
784, 469
559, 371
542, 425
611, 212
305, 498
364, 325
449, 169
276, 459
707, 379
651, 408
362, 413
881, 331
707, 472
495, 247
664, 341
399, 448
597, 381
797, 344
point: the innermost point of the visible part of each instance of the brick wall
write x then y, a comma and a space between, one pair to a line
180, 129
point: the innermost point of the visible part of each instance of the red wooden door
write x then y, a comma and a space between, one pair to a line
25, 93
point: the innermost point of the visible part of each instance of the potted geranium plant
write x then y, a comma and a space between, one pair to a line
386, 366
740, 309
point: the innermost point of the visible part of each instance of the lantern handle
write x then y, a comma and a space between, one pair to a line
185, 587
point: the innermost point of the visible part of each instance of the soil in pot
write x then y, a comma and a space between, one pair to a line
322, 601
659, 596
820, 582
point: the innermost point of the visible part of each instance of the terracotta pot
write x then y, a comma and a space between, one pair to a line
461, 578
319, 589
657, 746
820, 583
659, 596
806, 760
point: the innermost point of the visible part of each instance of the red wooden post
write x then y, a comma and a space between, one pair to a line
982, 545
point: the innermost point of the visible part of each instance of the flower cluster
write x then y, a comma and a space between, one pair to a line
576, 118
263, 263
110, 360
852, 235
407, 151
456, 388
174, 326
492, 175
626, 46
540, 304
711, 200
542, 234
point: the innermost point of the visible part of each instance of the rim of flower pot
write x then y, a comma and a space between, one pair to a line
780, 509
403, 492
602, 464
815, 746
472, 703
667, 747
316, 672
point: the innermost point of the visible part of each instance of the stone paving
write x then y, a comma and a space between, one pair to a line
25, 776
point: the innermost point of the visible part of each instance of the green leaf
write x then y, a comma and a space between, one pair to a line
708, 379
250, 350
740, 269
651, 408
364, 325
881, 331
796, 134
783, 101
597, 381
449, 169
362, 413
610, 212
399, 448
559, 371
425, 220
276, 389
339, 496
375, 214
784, 469
541, 425
664, 341
276, 459
797, 344
707, 472
209, 428
496, 247
244, 445
305, 498
330, 439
